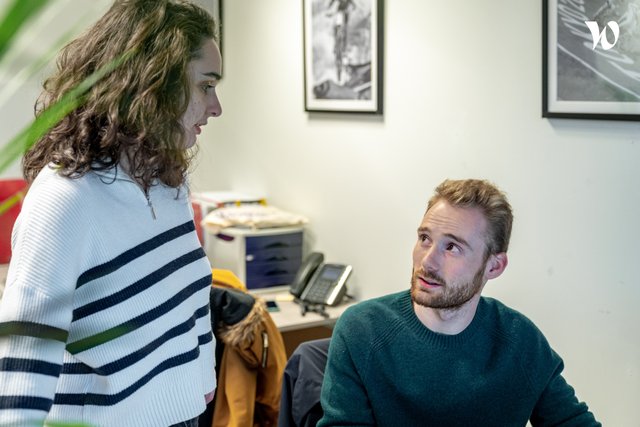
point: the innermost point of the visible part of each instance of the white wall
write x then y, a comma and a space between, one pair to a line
462, 99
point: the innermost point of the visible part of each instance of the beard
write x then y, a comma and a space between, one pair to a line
450, 296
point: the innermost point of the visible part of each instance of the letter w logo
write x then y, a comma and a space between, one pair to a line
601, 37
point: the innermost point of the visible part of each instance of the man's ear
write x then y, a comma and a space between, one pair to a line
496, 265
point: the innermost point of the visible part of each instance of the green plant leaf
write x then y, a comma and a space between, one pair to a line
19, 144
19, 12
18, 79
10, 201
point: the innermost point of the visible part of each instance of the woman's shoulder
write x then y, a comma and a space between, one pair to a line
52, 179
53, 191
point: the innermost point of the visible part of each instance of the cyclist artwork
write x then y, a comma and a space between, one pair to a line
341, 53
340, 33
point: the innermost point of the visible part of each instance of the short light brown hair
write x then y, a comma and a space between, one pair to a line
483, 195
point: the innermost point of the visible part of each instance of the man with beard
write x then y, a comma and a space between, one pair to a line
440, 354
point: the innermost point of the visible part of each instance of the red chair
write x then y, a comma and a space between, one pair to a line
13, 189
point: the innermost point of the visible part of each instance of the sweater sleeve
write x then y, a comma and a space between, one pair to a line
559, 406
343, 398
36, 308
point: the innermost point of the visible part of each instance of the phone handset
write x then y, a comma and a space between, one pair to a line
319, 283
306, 270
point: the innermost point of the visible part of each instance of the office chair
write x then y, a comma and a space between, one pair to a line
302, 383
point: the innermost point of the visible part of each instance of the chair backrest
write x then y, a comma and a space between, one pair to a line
302, 383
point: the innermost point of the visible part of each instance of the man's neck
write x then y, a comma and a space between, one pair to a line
448, 321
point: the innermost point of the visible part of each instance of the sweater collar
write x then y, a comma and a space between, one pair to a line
114, 173
438, 338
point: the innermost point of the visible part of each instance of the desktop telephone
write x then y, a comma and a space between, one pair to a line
320, 283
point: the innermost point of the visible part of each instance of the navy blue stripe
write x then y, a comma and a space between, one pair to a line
30, 329
135, 252
139, 286
25, 402
139, 321
125, 362
206, 338
11, 364
112, 399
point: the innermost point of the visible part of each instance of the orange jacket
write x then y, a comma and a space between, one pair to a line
250, 372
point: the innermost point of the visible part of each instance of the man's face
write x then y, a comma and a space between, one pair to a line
449, 258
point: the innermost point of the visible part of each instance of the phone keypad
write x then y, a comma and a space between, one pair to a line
320, 290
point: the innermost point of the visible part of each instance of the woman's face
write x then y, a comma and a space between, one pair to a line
204, 74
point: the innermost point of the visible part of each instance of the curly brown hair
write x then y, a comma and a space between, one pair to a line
134, 112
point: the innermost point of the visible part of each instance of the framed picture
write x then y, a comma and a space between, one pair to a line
591, 59
343, 45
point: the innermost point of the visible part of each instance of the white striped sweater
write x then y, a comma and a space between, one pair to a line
105, 318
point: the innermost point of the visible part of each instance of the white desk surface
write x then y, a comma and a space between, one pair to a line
290, 317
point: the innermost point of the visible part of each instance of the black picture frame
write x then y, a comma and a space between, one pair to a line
349, 78
584, 77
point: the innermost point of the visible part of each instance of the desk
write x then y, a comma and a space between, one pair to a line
290, 317
295, 327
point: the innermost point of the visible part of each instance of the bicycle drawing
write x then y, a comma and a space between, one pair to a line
342, 55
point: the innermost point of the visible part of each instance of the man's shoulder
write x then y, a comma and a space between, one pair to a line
372, 322
378, 309
499, 308
384, 301
509, 322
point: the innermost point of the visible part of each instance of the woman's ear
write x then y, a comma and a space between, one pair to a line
496, 265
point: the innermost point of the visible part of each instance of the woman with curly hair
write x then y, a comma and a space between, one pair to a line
105, 317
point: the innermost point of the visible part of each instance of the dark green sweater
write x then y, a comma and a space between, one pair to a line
386, 368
